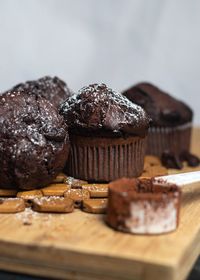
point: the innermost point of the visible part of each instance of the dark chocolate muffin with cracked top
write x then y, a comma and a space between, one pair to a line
53, 89
171, 118
107, 133
34, 142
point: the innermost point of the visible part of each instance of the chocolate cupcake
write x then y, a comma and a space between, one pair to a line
107, 133
53, 89
34, 143
143, 206
171, 119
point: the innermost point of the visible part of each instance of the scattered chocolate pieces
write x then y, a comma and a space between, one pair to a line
97, 190
171, 160
8, 192
12, 205
191, 159
53, 204
55, 190
95, 206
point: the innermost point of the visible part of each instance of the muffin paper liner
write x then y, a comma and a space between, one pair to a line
174, 139
106, 159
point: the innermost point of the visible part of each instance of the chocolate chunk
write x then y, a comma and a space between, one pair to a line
171, 160
191, 159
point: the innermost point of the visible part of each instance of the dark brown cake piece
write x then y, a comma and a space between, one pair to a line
53, 89
192, 160
171, 118
107, 133
142, 206
34, 142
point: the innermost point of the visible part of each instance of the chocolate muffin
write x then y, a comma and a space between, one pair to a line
143, 206
171, 119
107, 133
34, 142
53, 89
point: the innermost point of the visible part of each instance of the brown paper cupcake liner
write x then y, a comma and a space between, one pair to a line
174, 139
105, 159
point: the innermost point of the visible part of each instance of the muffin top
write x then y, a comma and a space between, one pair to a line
34, 143
163, 109
53, 89
99, 111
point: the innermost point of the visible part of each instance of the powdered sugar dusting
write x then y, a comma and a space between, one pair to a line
151, 217
53, 200
27, 216
97, 106
53, 89
31, 131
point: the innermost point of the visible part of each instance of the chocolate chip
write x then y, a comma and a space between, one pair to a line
191, 159
28, 119
171, 160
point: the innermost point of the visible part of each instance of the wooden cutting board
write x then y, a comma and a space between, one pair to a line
81, 246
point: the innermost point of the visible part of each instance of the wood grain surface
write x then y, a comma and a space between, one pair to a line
80, 246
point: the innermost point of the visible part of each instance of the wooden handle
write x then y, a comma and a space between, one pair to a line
181, 179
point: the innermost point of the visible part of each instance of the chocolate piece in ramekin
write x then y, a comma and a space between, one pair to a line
143, 206
171, 119
107, 134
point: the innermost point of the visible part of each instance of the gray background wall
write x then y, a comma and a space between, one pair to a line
118, 42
